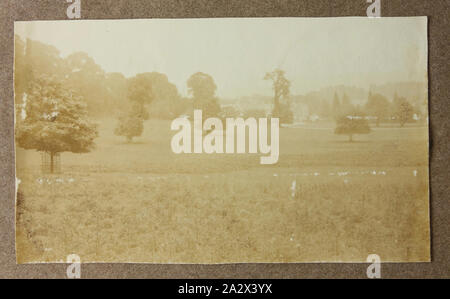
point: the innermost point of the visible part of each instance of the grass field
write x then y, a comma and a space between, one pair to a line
325, 200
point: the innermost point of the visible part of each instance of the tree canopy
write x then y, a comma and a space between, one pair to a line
55, 119
281, 88
377, 105
167, 102
203, 90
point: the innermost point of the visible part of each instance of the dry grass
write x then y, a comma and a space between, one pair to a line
141, 203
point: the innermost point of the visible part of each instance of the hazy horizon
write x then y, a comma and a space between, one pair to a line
315, 52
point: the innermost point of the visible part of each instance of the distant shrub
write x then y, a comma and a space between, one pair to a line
351, 125
129, 126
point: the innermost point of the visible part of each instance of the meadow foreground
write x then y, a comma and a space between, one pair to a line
325, 200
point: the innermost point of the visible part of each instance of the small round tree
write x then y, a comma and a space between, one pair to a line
403, 110
351, 125
129, 126
55, 120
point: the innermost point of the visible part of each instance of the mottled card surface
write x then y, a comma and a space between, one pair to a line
222, 140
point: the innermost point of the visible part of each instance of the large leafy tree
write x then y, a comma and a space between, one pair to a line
139, 93
34, 59
116, 85
403, 110
78, 71
281, 89
378, 106
203, 90
89, 80
166, 103
54, 120
140, 89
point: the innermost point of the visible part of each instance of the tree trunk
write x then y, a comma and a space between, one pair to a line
276, 105
276, 109
51, 162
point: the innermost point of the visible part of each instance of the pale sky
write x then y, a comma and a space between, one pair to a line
237, 52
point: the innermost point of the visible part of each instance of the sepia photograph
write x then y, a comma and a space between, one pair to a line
222, 140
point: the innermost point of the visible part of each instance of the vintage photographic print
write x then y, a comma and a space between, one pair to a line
234, 140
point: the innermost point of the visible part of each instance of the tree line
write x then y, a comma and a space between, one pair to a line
104, 93
57, 98
377, 108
